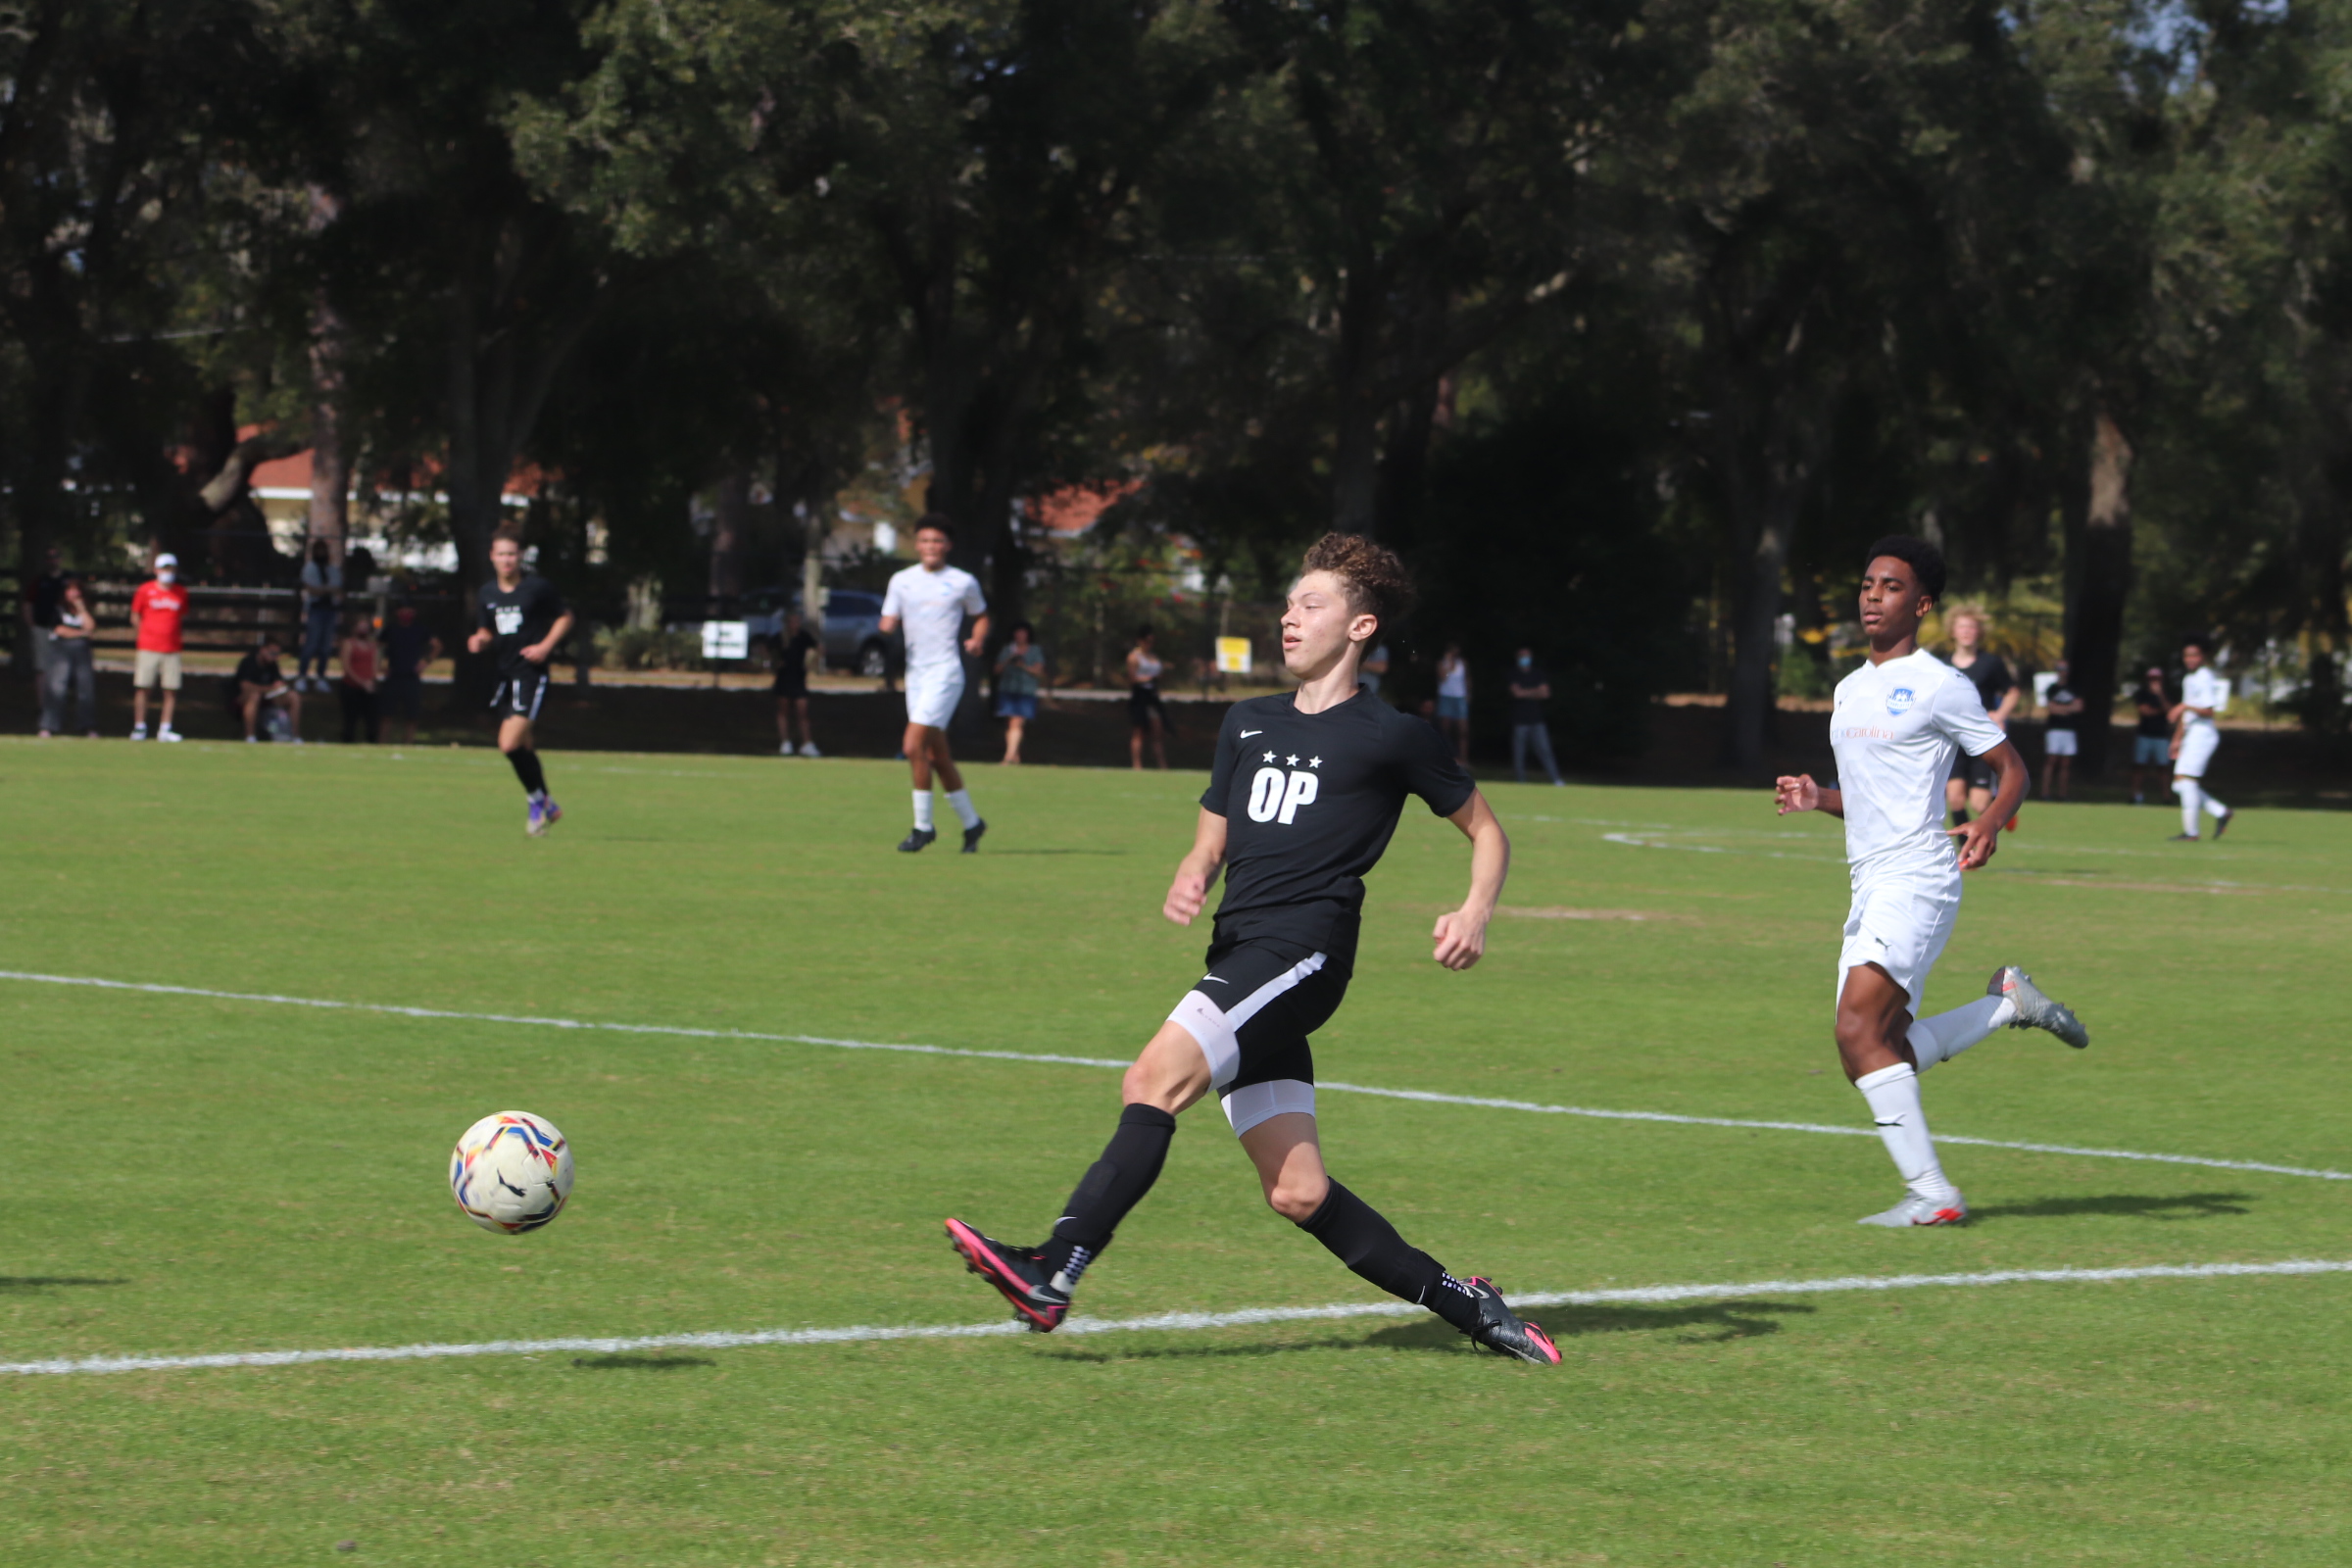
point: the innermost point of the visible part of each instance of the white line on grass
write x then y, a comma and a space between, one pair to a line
1643, 1294
1422, 1095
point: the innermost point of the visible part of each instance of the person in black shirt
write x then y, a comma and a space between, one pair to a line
259, 680
1971, 787
2152, 739
1304, 794
407, 648
521, 620
793, 652
1531, 689
2062, 709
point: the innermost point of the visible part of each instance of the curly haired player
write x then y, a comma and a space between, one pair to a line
1306, 791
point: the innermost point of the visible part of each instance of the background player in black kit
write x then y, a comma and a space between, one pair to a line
522, 622
1305, 793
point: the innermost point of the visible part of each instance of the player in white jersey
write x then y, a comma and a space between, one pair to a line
2204, 696
930, 600
1899, 720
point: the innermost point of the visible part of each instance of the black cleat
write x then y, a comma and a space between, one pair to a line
971, 836
2221, 825
915, 839
1501, 1330
1016, 1274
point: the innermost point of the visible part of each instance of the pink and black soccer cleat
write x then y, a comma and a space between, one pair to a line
1015, 1273
1504, 1332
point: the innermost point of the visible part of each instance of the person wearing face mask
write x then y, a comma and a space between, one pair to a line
156, 610
1531, 689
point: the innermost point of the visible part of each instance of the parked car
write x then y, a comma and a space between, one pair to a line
852, 638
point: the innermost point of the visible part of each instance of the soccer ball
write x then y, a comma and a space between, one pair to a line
511, 1172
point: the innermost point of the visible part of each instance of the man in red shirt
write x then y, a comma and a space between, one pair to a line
156, 609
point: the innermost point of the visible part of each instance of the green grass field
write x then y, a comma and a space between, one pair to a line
187, 1175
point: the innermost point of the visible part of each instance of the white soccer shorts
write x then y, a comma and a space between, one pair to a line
932, 696
2059, 743
2196, 750
1901, 923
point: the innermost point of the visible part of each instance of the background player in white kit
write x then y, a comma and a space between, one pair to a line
2204, 696
1898, 723
930, 600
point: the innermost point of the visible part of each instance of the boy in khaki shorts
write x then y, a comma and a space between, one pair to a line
156, 610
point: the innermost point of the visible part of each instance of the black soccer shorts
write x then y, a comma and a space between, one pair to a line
519, 696
1250, 1015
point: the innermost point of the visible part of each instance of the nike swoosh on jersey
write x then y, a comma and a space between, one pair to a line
1246, 734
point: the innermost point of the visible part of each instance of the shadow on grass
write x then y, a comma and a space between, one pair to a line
44, 1282
1713, 1323
640, 1363
1719, 1321
1000, 854
2181, 1205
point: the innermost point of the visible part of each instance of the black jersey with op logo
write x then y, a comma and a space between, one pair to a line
518, 618
1310, 802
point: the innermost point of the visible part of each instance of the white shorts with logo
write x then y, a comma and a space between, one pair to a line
2196, 750
2059, 743
932, 695
1900, 921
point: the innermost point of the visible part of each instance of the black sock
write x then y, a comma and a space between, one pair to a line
528, 770
1959, 819
1111, 1185
1369, 1245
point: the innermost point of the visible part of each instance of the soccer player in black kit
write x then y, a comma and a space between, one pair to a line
522, 622
1306, 791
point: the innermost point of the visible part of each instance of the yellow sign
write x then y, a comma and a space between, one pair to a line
1233, 656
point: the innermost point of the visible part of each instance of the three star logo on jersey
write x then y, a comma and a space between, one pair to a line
1899, 701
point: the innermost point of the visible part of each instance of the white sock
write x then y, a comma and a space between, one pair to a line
1947, 1034
1892, 1094
965, 812
922, 810
2218, 809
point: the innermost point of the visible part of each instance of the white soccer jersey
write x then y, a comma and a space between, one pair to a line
931, 607
2205, 688
1894, 730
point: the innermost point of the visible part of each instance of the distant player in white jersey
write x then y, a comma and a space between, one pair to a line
930, 600
2204, 697
1899, 720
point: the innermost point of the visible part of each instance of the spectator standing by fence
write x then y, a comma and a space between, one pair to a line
321, 612
2153, 740
1531, 689
262, 681
1145, 715
2061, 711
1374, 669
793, 650
1453, 699
361, 662
1970, 789
41, 600
73, 669
156, 612
406, 649
1021, 677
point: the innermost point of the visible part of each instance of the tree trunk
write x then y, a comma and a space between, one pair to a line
330, 464
730, 528
1404, 464
1761, 564
2100, 578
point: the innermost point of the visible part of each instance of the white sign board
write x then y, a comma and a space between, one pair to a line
726, 639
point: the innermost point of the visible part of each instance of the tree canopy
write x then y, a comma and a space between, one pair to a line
1629, 322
